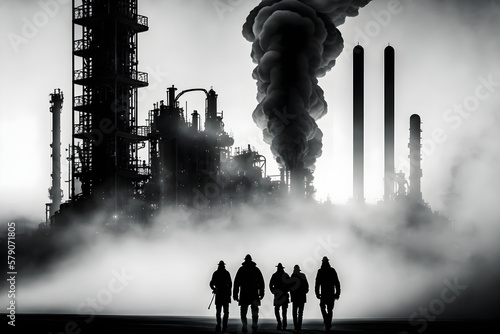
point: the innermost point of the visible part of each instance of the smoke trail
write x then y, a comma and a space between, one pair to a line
293, 44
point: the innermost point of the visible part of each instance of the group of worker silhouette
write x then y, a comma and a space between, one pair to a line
249, 289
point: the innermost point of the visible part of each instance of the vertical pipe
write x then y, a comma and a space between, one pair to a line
56, 100
212, 127
358, 124
389, 123
72, 148
69, 169
415, 158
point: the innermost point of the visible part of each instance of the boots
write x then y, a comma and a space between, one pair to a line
218, 318
255, 320
244, 326
224, 323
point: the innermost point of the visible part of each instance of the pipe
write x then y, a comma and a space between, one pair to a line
415, 158
56, 100
358, 124
389, 123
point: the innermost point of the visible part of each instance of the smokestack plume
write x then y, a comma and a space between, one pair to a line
389, 123
297, 182
358, 124
415, 158
293, 44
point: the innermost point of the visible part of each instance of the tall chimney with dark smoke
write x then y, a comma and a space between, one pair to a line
358, 124
388, 123
293, 44
415, 158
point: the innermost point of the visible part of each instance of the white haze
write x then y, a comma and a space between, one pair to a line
386, 268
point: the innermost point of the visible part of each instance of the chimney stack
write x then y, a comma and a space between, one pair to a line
56, 101
389, 123
415, 158
358, 124
297, 182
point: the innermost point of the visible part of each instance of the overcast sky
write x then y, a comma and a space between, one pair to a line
446, 70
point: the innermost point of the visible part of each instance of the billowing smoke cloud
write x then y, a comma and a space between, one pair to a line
293, 44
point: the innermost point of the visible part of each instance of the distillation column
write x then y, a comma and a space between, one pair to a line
55, 192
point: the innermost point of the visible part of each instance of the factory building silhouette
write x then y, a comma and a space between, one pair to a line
191, 161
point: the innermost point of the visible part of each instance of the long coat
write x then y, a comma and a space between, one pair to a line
299, 288
249, 284
221, 283
327, 284
279, 286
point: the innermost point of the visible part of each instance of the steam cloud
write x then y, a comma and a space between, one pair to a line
293, 44
386, 267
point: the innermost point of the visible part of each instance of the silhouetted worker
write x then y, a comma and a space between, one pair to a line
248, 290
279, 286
327, 289
298, 291
221, 286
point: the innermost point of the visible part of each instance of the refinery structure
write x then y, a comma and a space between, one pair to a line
134, 172
190, 159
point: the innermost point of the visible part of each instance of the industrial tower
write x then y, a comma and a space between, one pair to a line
55, 192
358, 124
389, 123
106, 169
415, 158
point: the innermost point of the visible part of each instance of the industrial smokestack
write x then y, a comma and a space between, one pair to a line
358, 124
415, 158
293, 44
56, 100
297, 182
389, 123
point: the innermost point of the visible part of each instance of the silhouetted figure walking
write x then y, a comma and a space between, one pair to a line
298, 291
327, 289
279, 286
248, 290
221, 286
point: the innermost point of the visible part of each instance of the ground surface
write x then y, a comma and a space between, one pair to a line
77, 324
